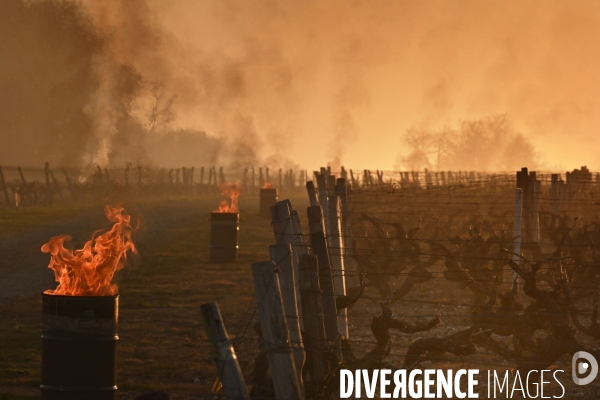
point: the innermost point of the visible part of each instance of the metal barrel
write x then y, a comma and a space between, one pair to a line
268, 198
79, 340
224, 229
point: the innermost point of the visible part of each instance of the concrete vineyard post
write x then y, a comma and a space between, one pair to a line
281, 255
319, 247
336, 257
275, 333
314, 328
230, 374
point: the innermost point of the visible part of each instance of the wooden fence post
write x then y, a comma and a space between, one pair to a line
26, 190
55, 184
48, 191
517, 228
314, 328
223, 354
535, 213
280, 179
282, 256
4, 187
275, 331
261, 181
554, 194
192, 181
319, 247
74, 194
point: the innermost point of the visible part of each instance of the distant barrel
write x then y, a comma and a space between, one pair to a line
268, 198
224, 228
79, 340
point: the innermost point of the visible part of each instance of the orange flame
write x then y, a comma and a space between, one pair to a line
89, 271
268, 185
233, 190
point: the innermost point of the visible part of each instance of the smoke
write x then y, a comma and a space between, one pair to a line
487, 144
85, 82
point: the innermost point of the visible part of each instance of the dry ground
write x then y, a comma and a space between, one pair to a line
162, 341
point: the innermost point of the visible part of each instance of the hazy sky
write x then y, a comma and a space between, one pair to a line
319, 79
393, 65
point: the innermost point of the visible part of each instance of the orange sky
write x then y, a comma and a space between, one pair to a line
320, 79
407, 64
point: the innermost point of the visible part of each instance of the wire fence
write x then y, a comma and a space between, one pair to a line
428, 245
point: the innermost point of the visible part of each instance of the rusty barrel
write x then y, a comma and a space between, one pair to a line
224, 229
79, 341
268, 198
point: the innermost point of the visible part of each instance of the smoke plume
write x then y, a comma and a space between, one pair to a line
87, 82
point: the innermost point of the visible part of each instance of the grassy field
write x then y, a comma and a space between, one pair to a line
162, 340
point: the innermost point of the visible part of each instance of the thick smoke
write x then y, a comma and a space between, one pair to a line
487, 144
89, 82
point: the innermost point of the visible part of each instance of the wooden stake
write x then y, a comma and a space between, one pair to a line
535, 214
55, 184
74, 195
275, 333
517, 231
25, 185
48, 197
4, 187
223, 353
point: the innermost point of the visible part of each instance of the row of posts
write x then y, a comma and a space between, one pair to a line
296, 294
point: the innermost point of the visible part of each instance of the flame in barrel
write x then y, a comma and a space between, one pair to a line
233, 191
89, 271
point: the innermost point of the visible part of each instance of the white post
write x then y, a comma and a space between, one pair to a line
285, 233
313, 316
275, 332
223, 354
281, 255
320, 249
336, 255
299, 242
324, 200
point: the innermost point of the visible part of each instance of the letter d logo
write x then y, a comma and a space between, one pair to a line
583, 367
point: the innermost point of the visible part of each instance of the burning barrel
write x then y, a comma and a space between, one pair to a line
224, 227
79, 341
268, 198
